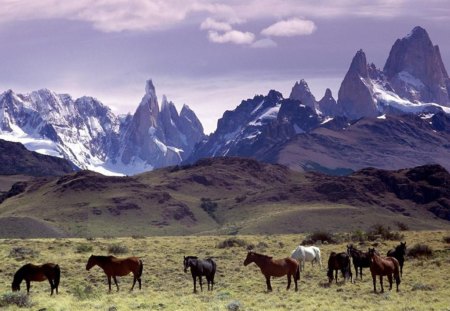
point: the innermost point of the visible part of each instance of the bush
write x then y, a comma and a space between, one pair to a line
84, 292
358, 236
322, 236
446, 239
402, 226
420, 250
117, 249
84, 248
209, 207
21, 253
20, 299
232, 242
383, 232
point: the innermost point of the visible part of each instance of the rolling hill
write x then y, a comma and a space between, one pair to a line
229, 196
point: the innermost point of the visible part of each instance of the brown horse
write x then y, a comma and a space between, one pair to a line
275, 267
383, 266
113, 267
30, 272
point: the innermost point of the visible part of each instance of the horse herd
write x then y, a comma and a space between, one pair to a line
390, 266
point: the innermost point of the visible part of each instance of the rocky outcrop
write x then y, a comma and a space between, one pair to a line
328, 105
416, 71
300, 91
355, 96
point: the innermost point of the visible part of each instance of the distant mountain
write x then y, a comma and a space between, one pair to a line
87, 133
227, 195
15, 159
391, 118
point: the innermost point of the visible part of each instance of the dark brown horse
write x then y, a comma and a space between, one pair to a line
399, 253
339, 261
360, 259
114, 267
387, 266
199, 267
30, 272
275, 268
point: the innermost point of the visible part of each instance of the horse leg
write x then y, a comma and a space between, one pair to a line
134, 282
109, 283
360, 273
289, 281
269, 287
200, 281
115, 281
374, 279
28, 286
195, 283
335, 275
207, 281
51, 286
381, 283
390, 281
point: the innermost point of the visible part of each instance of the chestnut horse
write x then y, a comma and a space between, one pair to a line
30, 272
275, 268
113, 267
383, 266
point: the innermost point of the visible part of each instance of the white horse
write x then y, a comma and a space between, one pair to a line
307, 253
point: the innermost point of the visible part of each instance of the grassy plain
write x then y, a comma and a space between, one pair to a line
425, 286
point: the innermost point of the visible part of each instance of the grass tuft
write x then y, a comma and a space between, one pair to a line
232, 242
117, 249
84, 248
320, 237
379, 231
21, 253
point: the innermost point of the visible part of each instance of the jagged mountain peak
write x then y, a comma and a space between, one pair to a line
150, 88
359, 64
300, 91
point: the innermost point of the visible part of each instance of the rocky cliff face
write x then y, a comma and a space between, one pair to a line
415, 69
301, 92
356, 96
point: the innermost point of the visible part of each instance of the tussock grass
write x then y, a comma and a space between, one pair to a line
425, 284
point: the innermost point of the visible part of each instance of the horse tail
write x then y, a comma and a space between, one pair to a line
397, 271
57, 276
297, 273
141, 268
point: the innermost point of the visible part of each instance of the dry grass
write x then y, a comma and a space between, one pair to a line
425, 285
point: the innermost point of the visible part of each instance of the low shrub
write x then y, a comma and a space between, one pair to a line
117, 249
232, 242
420, 250
84, 292
446, 239
21, 253
320, 236
358, 236
379, 231
84, 248
19, 299
402, 226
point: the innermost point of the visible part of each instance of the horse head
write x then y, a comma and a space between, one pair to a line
15, 287
91, 262
349, 249
250, 258
187, 261
401, 248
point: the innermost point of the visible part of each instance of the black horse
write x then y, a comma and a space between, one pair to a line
360, 259
337, 262
37, 273
399, 253
199, 268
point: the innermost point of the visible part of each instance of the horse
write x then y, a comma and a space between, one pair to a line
199, 268
37, 273
113, 267
307, 253
399, 253
360, 259
275, 268
383, 266
339, 261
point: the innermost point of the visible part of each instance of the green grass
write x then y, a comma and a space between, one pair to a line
425, 285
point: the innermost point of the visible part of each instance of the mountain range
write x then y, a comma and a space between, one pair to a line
91, 136
392, 118
389, 118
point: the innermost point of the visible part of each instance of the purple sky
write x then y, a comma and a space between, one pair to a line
204, 53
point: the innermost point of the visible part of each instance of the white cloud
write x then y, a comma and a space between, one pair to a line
264, 43
212, 24
289, 28
233, 36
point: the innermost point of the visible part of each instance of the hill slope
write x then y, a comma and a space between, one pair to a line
230, 195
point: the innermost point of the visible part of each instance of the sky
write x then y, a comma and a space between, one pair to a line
208, 54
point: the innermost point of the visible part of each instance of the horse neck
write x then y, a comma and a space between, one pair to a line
18, 277
260, 261
101, 261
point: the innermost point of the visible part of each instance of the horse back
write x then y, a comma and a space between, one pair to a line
122, 266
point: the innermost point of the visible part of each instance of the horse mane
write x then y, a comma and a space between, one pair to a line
262, 255
191, 257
